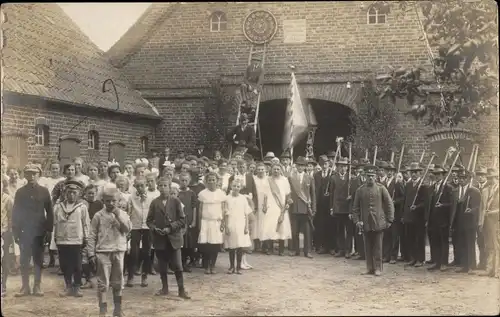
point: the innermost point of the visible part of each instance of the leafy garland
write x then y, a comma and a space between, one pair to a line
375, 124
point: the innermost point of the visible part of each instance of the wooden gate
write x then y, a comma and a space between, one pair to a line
117, 152
69, 148
15, 147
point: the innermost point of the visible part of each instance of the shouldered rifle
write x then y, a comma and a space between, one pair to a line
423, 177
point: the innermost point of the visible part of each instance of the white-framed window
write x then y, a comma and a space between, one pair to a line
374, 16
41, 135
93, 140
218, 22
144, 144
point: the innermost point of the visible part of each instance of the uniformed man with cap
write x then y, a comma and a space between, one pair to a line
438, 218
373, 212
243, 134
469, 201
32, 220
490, 225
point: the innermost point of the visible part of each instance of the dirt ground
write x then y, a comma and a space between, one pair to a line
283, 286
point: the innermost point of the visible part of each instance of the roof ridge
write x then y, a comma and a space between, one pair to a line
130, 43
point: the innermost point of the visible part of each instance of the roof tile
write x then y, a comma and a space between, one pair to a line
49, 56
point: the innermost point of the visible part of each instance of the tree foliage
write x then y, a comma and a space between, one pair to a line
375, 124
464, 35
217, 112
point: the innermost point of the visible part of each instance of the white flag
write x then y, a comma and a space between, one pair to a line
295, 118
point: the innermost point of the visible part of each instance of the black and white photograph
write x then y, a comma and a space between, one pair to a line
305, 158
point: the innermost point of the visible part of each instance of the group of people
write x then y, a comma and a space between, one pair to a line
113, 220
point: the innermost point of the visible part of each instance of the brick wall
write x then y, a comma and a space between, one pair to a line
182, 55
21, 119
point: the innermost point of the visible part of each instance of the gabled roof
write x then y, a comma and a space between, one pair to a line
46, 54
132, 41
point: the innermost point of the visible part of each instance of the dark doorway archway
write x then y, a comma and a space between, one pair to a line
333, 120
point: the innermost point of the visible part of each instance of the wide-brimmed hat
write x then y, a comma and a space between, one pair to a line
414, 167
32, 168
438, 169
481, 170
370, 170
381, 164
363, 162
492, 172
286, 154
343, 161
322, 159
268, 162
457, 168
73, 184
269, 155
464, 173
301, 161
312, 161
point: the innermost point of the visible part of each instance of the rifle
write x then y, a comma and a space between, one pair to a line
423, 177
349, 172
445, 181
375, 155
398, 168
473, 158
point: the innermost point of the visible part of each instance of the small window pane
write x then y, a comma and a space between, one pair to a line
372, 19
381, 18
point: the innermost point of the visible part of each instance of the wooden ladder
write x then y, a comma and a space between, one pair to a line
256, 51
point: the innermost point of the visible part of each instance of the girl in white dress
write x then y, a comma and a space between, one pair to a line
262, 187
236, 224
276, 223
212, 205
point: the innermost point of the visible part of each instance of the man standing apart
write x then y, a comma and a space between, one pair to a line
32, 220
373, 212
303, 208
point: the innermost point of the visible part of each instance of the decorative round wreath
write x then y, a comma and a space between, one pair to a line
260, 27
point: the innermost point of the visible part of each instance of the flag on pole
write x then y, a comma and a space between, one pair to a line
296, 124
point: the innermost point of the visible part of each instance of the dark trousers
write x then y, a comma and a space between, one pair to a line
387, 243
440, 243
345, 233
7, 242
31, 248
415, 240
397, 231
359, 243
235, 254
457, 252
137, 254
210, 252
468, 248
483, 252
322, 235
70, 261
300, 223
373, 250
432, 244
268, 245
172, 257
187, 253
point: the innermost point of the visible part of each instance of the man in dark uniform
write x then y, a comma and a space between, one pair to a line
455, 185
469, 201
303, 209
373, 212
392, 240
243, 135
322, 220
32, 221
414, 216
339, 202
438, 218
359, 244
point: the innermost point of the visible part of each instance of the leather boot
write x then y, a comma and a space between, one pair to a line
77, 292
117, 302
25, 288
68, 291
103, 309
164, 282
180, 283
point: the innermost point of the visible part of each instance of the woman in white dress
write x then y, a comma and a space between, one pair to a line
236, 226
262, 187
212, 205
276, 222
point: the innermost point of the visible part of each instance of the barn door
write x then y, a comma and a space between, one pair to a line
117, 152
15, 147
69, 148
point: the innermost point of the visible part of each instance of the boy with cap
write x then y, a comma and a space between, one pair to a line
71, 231
32, 220
373, 212
106, 248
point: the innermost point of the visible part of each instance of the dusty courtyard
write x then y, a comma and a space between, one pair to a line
284, 286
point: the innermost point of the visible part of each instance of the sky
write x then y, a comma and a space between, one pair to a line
104, 23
